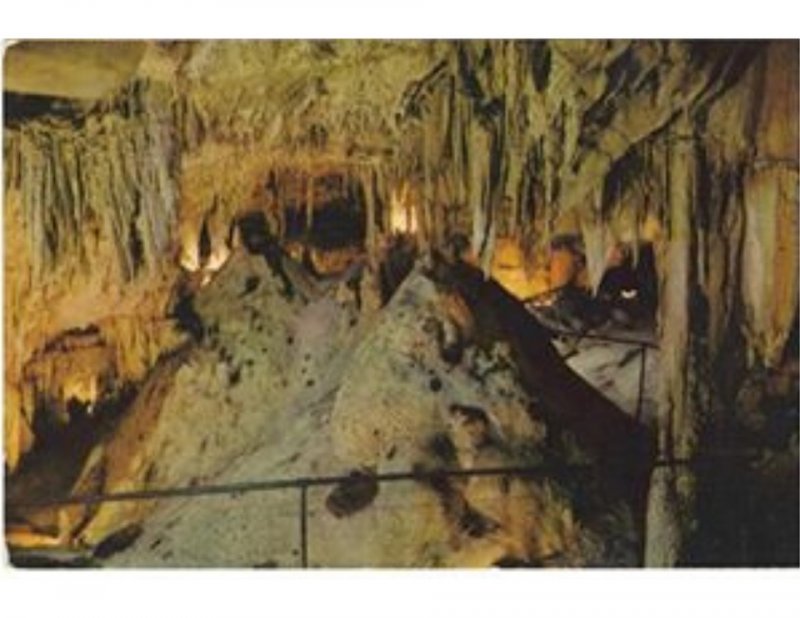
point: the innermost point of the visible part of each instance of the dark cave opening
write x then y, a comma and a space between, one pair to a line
337, 224
628, 290
19, 108
56, 460
626, 298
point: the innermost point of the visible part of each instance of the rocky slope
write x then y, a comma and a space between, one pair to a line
312, 385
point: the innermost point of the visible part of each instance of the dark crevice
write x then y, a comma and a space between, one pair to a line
19, 108
259, 240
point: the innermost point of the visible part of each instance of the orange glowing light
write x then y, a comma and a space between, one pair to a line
190, 257
403, 215
83, 389
218, 258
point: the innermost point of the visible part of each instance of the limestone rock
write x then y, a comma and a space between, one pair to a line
303, 391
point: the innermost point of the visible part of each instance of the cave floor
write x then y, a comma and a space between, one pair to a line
622, 362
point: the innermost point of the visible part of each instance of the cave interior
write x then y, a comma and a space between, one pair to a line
368, 268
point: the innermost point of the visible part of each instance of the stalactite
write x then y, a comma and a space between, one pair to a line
439, 157
116, 172
17, 427
770, 259
309, 201
366, 179
382, 194
428, 137
460, 152
479, 146
594, 235
279, 203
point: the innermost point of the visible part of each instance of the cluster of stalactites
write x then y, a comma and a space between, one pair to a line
291, 192
739, 243
498, 139
466, 151
513, 136
522, 140
110, 178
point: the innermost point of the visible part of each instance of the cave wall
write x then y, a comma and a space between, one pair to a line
90, 210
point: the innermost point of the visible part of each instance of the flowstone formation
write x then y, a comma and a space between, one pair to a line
307, 384
134, 186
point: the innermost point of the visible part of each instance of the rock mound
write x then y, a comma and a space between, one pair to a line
309, 385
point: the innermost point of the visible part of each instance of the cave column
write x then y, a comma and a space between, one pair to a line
673, 487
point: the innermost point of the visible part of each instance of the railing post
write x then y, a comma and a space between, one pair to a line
303, 526
641, 385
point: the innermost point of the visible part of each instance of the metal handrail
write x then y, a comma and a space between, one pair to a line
304, 483
237, 489
300, 483
600, 337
